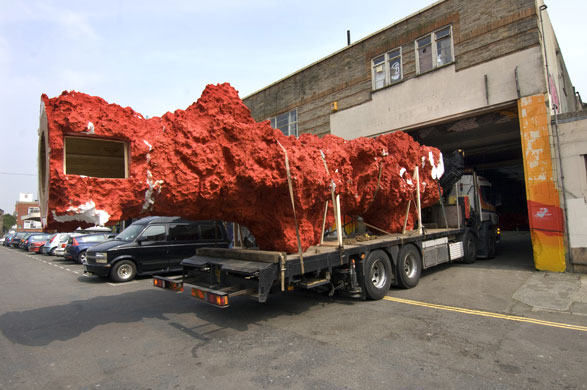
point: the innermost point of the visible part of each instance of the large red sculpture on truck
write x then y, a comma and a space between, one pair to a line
100, 163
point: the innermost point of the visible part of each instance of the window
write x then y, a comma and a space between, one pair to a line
387, 68
32, 210
95, 157
154, 233
184, 232
30, 224
286, 122
434, 50
210, 231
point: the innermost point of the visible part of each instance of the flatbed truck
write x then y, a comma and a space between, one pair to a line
363, 266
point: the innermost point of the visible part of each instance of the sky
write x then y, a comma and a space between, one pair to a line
157, 56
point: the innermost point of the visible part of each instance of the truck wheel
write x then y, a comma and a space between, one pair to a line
377, 274
469, 248
123, 271
409, 266
491, 249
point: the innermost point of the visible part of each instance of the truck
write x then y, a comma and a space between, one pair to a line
462, 227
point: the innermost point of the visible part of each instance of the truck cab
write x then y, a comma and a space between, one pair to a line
477, 204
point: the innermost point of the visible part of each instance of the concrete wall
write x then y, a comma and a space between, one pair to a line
573, 138
562, 91
443, 94
483, 31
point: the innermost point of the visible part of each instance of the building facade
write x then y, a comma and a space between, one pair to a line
486, 77
27, 214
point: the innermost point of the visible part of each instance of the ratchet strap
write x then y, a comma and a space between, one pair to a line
293, 206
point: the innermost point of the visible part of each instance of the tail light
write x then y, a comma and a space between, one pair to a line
210, 297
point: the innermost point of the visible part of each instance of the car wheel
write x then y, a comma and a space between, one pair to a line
51, 252
409, 266
123, 271
377, 274
81, 257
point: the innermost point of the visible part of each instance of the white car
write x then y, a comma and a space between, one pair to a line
51, 244
62, 243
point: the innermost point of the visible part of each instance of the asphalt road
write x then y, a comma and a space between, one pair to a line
62, 330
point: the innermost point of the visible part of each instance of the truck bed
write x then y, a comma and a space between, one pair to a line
217, 273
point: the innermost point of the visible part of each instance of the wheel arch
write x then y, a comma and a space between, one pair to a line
125, 257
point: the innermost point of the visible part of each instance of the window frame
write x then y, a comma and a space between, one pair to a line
432, 36
290, 123
387, 81
68, 154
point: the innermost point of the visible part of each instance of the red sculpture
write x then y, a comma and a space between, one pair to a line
213, 161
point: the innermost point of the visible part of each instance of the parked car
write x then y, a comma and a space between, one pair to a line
7, 239
24, 241
36, 241
62, 244
78, 244
16, 239
153, 245
52, 243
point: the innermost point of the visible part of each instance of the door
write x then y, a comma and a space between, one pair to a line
151, 250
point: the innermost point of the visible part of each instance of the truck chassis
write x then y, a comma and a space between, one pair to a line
362, 269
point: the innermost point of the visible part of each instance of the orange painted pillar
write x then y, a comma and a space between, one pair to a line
544, 211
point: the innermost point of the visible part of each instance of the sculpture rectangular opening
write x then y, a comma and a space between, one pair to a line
96, 157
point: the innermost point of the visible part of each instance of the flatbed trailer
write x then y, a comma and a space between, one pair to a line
363, 267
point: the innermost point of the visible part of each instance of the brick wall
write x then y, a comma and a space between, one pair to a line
21, 209
482, 31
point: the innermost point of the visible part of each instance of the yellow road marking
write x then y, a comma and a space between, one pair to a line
487, 314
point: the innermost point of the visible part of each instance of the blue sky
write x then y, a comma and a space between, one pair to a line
158, 56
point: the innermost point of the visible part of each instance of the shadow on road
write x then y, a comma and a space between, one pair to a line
42, 326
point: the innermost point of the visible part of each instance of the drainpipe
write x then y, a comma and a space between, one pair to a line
569, 266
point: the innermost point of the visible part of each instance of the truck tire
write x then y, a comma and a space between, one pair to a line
491, 246
469, 248
377, 274
123, 271
409, 266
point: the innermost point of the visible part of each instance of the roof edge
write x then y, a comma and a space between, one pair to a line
412, 15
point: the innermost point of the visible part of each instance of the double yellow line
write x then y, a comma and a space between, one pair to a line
487, 314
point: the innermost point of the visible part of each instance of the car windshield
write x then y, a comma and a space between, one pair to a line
130, 233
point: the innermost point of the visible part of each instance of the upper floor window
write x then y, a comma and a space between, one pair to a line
286, 122
434, 50
32, 210
387, 68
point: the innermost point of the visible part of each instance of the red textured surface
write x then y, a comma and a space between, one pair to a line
213, 161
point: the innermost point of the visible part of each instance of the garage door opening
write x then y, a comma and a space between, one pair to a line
493, 149
96, 157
